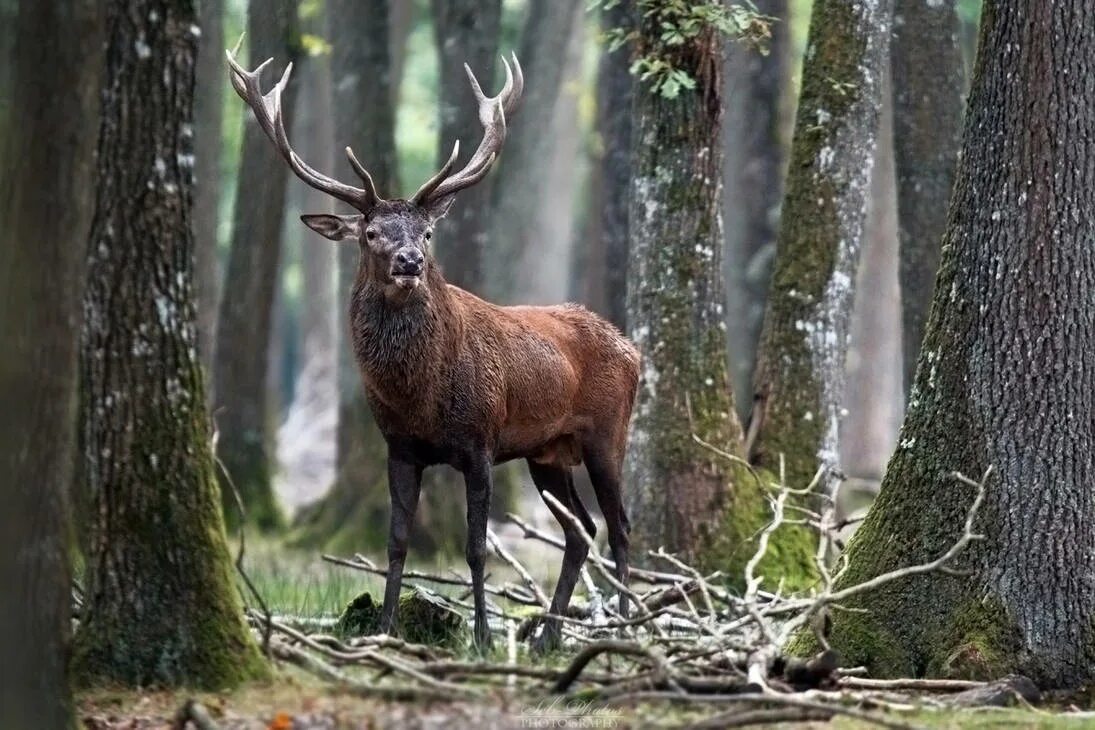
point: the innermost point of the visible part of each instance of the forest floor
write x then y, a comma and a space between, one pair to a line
303, 585
294, 701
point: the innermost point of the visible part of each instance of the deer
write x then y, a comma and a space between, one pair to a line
453, 379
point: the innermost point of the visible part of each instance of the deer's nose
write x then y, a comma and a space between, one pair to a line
408, 261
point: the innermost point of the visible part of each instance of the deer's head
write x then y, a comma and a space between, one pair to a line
394, 235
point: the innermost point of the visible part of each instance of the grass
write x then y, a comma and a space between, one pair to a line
301, 583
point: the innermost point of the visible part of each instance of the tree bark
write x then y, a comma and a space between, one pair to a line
521, 182
466, 31
875, 395
208, 115
928, 86
9, 12
615, 92
800, 369
679, 494
46, 158
756, 137
161, 606
1006, 378
241, 364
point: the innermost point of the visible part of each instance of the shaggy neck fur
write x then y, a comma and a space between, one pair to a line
404, 344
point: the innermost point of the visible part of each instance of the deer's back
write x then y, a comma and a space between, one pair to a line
558, 372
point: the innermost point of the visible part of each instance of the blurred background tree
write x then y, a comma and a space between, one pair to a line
246, 324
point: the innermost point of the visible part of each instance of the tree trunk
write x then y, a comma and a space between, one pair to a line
615, 92
1006, 378
466, 31
353, 514
401, 21
47, 157
874, 391
800, 369
241, 365
521, 181
756, 137
208, 113
162, 606
928, 85
9, 12
306, 439
564, 174
679, 494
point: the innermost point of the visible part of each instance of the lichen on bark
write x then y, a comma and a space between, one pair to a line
800, 370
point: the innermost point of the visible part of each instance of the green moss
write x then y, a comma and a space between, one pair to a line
862, 640
790, 556
980, 642
422, 618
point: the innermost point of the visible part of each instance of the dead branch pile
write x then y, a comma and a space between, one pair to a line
692, 641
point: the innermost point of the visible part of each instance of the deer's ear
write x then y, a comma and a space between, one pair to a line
335, 227
438, 208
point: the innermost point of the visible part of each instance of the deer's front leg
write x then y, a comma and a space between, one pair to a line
404, 482
477, 480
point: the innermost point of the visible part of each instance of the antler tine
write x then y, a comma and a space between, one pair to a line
268, 112
366, 178
513, 97
492, 116
428, 187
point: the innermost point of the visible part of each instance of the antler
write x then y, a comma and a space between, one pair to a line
493, 112
269, 114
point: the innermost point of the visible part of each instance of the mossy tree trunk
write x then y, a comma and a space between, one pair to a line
928, 85
1006, 378
756, 138
241, 394
679, 494
799, 382
466, 31
46, 165
162, 607
208, 115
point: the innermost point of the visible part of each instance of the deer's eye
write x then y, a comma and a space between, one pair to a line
429, 234
370, 233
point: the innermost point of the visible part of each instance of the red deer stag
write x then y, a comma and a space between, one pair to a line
455, 380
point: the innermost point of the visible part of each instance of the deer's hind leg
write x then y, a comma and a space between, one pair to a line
558, 482
604, 465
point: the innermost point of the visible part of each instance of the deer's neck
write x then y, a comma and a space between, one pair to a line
402, 348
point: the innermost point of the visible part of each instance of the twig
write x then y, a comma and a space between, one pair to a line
509, 559
917, 685
592, 651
